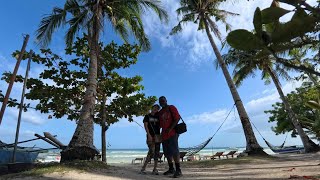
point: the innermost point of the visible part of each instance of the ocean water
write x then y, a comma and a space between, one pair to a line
125, 156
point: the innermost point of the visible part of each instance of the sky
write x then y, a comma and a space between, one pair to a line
179, 67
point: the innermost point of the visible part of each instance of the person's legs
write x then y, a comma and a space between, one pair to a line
149, 156
176, 156
156, 156
167, 150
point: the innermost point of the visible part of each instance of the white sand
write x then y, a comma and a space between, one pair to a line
295, 166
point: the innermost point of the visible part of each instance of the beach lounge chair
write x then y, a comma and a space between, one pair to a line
159, 158
218, 154
182, 154
137, 159
231, 153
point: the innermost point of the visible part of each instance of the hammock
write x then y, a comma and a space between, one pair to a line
284, 149
195, 149
281, 149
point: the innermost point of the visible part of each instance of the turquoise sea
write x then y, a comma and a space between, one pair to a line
125, 156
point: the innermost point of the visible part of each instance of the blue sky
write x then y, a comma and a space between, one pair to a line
179, 67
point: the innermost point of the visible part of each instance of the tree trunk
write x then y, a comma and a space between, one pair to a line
308, 144
103, 130
81, 145
252, 147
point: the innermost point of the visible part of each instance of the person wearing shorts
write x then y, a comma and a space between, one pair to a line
152, 127
169, 117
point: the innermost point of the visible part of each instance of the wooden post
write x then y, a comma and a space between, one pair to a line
21, 108
13, 77
103, 129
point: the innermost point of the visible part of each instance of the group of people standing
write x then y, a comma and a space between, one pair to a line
159, 124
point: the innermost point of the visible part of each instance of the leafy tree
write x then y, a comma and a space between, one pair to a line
309, 117
206, 14
62, 97
91, 16
271, 38
246, 65
11, 102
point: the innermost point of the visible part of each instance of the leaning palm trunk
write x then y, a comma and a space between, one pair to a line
309, 145
252, 147
81, 145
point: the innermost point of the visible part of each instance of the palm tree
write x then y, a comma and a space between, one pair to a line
91, 16
201, 12
246, 65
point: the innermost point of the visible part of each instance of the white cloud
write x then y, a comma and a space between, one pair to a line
255, 109
31, 116
209, 117
193, 44
268, 91
8, 134
123, 123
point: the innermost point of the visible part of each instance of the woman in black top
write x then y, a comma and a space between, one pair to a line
152, 127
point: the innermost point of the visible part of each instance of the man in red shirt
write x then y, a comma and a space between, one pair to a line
169, 117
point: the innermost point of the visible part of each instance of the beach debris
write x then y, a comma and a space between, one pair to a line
303, 177
289, 169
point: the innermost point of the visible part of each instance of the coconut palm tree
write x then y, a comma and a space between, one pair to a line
246, 65
92, 17
202, 12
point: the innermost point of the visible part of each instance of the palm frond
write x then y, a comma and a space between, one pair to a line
76, 23
49, 24
183, 10
214, 28
226, 13
136, 26
185, 19
121, 29
176, 29
72, 6
157, 8
241, 74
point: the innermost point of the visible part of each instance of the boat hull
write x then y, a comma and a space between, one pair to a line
21, 156
289, 150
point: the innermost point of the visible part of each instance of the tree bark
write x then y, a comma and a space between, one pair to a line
81, 145
252, 147
308, 144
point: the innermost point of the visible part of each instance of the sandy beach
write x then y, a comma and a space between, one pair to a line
294, 166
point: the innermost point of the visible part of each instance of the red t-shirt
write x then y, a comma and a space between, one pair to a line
166, 119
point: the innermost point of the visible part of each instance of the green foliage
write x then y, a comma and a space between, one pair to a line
272, 14
272, 38
313, 104
59, 89
245, 65
299, 25
202, 13
308, 117
124, 16
257, 22
13, 102
237, 37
